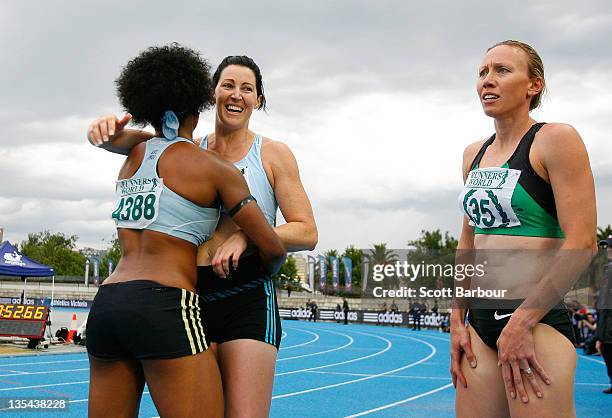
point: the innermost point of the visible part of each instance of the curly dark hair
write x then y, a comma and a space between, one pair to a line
248, 62
169, 77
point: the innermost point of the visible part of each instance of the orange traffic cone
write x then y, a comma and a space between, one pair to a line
73, 329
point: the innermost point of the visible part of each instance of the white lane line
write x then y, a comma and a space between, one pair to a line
318, 353
432, 336
591, 359
389, 344
419, 336
316, 338
45, 386
12, 372
396, 376
391, 405
412, 398
448, 340
42, 362
47, 372
433, 352
146, 392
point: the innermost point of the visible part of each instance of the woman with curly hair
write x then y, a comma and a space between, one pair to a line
529, 195
145, 324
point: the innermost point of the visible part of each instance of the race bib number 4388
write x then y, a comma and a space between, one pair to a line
137, 203
487, 197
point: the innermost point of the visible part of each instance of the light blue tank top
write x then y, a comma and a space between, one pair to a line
144, 202
252, 168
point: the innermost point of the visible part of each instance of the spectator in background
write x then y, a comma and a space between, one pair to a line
589, 329
394, 307
345, 309
309, 308
338, 310
604, 305
383, 308
434, 309
415, 313
314, 309
577, 312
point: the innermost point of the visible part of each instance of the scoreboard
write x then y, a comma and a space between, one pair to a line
26, 321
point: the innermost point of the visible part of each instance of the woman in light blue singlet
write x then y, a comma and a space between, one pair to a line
272, 175
145, 324
529, 195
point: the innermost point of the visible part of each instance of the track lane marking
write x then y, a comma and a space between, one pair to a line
389, 344
47, 372
318, 353
42, 362
431, 354
302, 344
391, 405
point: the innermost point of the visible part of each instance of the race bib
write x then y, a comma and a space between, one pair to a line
487, 197
137, 202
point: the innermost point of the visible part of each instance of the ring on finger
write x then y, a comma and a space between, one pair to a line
527, 371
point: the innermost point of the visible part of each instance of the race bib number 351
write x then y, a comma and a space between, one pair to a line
137, 202
487, 197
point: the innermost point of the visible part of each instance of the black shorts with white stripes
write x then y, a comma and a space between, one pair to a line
145, 320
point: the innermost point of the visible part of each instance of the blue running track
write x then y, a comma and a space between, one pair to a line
323, 370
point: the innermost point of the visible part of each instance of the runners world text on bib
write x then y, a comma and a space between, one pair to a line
137, 202
487, 197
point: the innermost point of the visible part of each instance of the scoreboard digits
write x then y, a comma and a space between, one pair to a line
23, 320
10, 311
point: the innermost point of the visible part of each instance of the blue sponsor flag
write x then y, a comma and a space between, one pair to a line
322, 272
335, 268
348, 272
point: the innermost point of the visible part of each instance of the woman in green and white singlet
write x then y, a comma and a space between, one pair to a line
528, 191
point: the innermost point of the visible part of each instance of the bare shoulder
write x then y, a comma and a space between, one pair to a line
212, 160
558, 141
133, 161
471, 150
194, 161
559, 145
469, 153
274, 148
555, 134
137, 152
277, 155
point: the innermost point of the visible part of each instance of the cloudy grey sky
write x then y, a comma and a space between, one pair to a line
376, 98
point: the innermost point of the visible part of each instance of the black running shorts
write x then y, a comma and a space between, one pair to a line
242, 305
489, 323
145, 320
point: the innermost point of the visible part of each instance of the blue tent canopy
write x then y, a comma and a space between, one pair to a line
13, 263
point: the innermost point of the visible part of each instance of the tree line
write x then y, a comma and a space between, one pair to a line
59, 251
